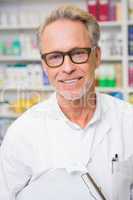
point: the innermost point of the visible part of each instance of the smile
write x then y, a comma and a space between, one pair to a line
71, 81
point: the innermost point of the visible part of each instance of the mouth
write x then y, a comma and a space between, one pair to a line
71, 81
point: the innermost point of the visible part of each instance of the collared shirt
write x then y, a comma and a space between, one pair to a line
43, 138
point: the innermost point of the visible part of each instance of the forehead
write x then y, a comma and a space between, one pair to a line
64, 34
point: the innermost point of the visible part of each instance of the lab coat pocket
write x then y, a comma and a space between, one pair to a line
123, 180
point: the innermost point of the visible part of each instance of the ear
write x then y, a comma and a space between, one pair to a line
98, 56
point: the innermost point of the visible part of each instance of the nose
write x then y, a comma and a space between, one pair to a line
68, 66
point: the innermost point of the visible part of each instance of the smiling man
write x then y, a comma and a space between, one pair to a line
70, 58
65, 147
72, 61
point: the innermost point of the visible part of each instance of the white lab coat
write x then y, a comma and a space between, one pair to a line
114, 135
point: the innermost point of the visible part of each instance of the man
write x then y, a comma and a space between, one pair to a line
77, 129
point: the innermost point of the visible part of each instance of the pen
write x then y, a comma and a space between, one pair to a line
89, 177
114, 160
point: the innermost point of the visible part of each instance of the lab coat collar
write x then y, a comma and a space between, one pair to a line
56, 112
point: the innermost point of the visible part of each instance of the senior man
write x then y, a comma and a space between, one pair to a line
68, 146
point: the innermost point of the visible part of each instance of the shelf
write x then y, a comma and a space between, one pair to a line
43, 89
130, 58
9, 116
15, 28
109, 89
112, 59
130, 90
130, 22
19, 59
110, 24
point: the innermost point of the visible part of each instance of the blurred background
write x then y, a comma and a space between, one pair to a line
22, 81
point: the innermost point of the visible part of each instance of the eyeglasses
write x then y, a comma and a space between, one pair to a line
77, 56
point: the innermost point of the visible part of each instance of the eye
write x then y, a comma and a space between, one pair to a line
54, 56
78, 52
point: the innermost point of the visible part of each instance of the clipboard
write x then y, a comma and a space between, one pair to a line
57, 184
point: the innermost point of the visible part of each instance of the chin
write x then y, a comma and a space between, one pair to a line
76, 95
71, 96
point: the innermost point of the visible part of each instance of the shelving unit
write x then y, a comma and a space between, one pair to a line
43, 89
9, 116
18, 28
7, 59
40, 6
110, 24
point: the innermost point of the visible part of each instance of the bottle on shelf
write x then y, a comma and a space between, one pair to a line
130, 74
105, 10
16, 47
130, 9
130, 40
106, 76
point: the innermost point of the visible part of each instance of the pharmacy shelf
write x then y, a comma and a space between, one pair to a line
111, 24
15, 28
109, 89
43, 89
9, 116
112, 59
19, 59
130, 58
130, 90
130, 22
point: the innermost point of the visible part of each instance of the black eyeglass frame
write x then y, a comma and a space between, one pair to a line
69, 53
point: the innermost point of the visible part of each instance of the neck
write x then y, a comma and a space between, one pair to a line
79, 111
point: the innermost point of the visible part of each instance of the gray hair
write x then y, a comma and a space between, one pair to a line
73, 13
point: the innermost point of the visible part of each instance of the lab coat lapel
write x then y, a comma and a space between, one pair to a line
103, 125
102, 130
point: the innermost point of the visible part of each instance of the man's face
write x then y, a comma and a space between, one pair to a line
72, 81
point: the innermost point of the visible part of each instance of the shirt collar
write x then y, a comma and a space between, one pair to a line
57, 113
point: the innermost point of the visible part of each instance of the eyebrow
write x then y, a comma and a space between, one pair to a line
56, 51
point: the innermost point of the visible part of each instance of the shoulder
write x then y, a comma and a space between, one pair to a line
120, 115
116, 105
31, 123
27, 135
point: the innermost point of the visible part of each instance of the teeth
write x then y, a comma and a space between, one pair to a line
70, 81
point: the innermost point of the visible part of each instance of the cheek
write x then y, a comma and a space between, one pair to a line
88, 70
52, 74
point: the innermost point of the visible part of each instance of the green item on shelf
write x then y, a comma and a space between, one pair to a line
16, 47
111, 82
20, 65
102, 82
2, 47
